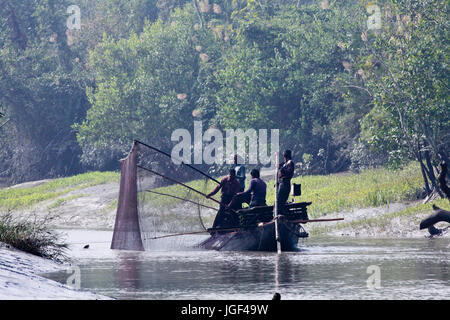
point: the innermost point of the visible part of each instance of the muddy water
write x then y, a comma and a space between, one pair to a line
325, 268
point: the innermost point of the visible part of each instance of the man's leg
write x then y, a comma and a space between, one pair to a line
238, 200
218, 221
221, 217
236, 204
282, 196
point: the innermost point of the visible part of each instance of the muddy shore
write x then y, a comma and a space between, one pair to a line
20, 278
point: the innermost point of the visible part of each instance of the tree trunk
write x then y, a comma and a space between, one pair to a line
442, 182
430, 173
424, 175
444, 158
439, 214
200, 17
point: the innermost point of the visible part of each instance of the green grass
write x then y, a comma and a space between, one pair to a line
370, 188
328, 193
60, 201
19, 198
32, 235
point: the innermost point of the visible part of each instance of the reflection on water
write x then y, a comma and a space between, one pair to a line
325, 268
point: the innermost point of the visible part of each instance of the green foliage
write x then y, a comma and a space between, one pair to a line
146, 86
41, 90
409, 76
342, 95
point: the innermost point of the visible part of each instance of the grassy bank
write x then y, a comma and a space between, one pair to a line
383, 224
32, 235
23, 228
328, 193
335, 192
370, 188
331, 195
26, 197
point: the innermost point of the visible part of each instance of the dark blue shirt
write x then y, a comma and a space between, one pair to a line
258, 190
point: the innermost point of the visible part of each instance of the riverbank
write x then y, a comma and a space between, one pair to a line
396, 220
375, 202
20, 278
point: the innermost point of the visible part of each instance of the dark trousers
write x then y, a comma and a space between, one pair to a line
282, 196
239, 200
223, 216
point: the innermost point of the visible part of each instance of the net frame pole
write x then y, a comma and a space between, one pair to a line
185, 164
179, 198
186, 186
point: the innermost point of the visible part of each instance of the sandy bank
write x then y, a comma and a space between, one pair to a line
93, 207
390, 221
20, 279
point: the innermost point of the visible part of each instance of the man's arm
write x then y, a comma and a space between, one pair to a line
287, 168
216, 189
250, 188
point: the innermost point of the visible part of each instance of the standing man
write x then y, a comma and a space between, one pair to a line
240, 171
230, 187
285, 174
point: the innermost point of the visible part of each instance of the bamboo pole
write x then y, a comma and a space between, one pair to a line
185, 164
275, 207
316, 220
238, 228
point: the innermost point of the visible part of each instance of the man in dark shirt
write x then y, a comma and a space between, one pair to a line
230, 187
255, 194
285, 174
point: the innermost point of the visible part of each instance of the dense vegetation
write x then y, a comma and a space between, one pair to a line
343, 94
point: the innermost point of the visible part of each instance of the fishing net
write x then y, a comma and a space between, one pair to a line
158, 197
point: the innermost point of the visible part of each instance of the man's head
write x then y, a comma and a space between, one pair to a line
254, 173
287, 154
232, 173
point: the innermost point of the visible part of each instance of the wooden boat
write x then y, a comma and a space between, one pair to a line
257, 230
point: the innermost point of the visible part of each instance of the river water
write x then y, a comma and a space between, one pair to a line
325, 268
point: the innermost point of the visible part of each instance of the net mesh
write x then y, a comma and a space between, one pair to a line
127, 233
164, 198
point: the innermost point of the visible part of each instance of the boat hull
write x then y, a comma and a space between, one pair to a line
261, 238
